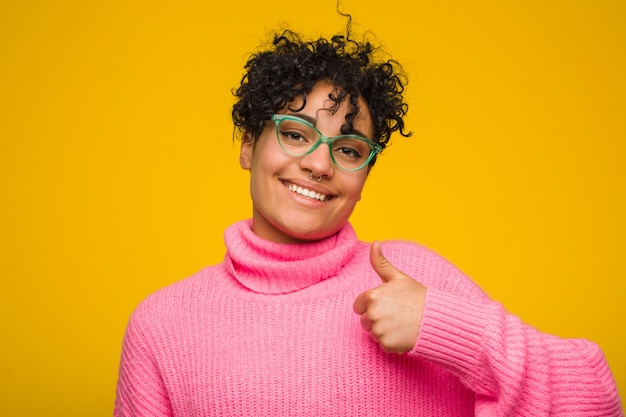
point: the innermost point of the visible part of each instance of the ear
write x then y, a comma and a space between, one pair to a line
245, 153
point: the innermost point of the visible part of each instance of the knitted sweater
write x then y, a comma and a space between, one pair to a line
271, 332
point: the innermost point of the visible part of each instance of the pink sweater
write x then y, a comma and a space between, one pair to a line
271, 332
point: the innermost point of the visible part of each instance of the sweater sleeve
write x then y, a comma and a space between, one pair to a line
514, 369
140, 388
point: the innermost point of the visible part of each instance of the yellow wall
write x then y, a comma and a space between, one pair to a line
118, 174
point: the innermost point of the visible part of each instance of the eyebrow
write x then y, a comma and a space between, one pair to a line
313, 121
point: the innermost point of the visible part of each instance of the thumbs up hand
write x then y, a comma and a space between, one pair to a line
392, 312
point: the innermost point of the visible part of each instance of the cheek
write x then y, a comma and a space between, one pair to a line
355, 187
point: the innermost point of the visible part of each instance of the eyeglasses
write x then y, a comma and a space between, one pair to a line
297, 137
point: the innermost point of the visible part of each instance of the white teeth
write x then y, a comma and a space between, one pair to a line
307, 193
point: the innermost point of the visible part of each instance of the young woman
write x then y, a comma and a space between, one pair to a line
304, 319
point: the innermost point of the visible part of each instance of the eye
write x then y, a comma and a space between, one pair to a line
350, 149
292, 136
295, 132
347, 152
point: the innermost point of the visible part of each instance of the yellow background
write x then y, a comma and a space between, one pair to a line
118, 172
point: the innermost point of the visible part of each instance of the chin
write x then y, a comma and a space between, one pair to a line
304, 234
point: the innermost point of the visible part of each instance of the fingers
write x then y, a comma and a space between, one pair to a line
381, 265
385, 270
360, 304
391, 312
366, 323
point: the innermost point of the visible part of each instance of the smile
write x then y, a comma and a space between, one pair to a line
308, 193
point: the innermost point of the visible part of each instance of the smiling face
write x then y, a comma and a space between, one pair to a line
288, 205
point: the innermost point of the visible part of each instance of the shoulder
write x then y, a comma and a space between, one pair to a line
430, 268
416, 258
178, 298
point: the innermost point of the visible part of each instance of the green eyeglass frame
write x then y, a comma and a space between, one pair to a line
374, 147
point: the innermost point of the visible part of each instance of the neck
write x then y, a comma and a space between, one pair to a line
270, 267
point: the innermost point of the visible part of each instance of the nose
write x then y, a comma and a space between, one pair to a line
319, 162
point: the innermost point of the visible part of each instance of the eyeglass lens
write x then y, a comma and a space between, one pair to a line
297, 139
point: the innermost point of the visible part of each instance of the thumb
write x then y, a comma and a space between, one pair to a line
381, 265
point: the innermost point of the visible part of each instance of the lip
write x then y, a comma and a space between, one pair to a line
309, 186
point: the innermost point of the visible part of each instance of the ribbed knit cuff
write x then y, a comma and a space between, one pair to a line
451, 331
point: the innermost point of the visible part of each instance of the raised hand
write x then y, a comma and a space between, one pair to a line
392, 312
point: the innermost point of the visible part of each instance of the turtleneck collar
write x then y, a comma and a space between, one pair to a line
280, 268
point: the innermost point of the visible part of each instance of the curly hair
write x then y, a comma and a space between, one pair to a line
291, 67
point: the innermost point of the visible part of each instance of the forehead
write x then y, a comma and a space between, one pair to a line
320, 107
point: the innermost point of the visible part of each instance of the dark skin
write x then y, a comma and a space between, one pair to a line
392, 312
